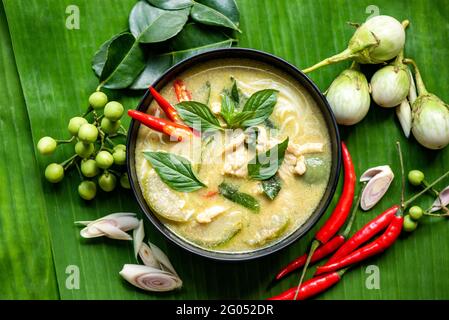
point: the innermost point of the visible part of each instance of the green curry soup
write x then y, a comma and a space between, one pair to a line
211, 217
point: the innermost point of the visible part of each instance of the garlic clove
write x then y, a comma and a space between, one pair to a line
150, 279
138, 235
441, 201
404, 114
379, 180
112, 231
147, 257
162, 258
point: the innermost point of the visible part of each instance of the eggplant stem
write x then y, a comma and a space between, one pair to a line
342, 56
419, 81
405, 24
401, 162
416, 196
351, 220
436, 214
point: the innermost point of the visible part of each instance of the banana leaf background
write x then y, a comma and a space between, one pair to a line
45, 80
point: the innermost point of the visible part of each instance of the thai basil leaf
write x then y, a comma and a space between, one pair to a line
227, 108
235, 95
198, 116
239, 118
171, 4
223, 13
262, 103
119, 61
233, 119
265, 165
230, 192
272, 186
193, 39
174, 170
209, 89
150, 24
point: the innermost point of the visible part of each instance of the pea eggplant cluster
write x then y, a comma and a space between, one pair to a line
438, 208
97, 157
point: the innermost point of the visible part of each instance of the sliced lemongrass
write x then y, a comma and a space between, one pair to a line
147, 257
91, 232
379, 180
441, 201
118, 215
162, 258
150, 279
113, 226
404, 113
111, 231
112, 216
138, 235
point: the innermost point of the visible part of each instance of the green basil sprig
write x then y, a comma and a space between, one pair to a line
235, 94
228, 112
198, 116
262, 104
176, 171
256, 110
264, 166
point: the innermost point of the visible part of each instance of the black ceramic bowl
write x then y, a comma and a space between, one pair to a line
274, 61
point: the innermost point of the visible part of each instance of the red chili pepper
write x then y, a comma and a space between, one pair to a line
210, 194
341, 211
173, 129
311, 287
181, 91
169, 110
364, 234
371, 249
325, 249
320, 253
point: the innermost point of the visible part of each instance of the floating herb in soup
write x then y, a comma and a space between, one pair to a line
244, 165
